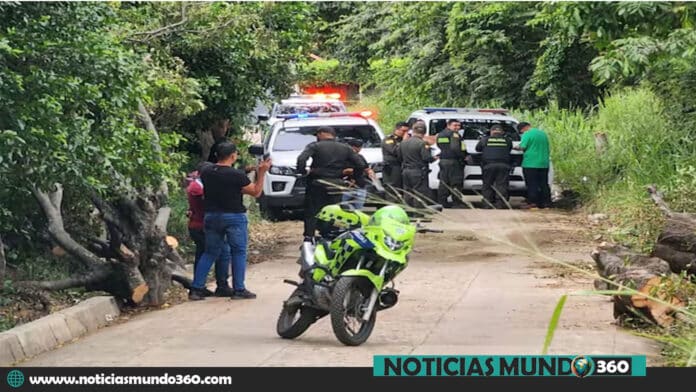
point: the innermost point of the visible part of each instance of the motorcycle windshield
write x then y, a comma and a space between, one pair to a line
393, 240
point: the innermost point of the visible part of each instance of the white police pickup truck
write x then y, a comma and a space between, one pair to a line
284, 189
475, 123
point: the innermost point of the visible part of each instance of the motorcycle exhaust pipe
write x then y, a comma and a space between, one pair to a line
388, 298
307, 255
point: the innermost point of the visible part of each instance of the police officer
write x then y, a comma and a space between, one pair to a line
495, 161
415, 157
451, 164
329, 159
391, 175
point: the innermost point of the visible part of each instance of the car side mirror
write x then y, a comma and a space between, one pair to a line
256, 150
262, 117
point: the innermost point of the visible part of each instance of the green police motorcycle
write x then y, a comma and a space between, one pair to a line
348, 271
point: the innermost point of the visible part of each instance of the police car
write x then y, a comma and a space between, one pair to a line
284, 189
475, 123
306, 104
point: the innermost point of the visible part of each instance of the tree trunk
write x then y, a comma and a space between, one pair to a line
676, 243
207, 137
645, 275
3, 264
134, 262
601, 142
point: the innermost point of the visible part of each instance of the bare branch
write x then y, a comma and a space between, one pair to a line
57, 230
150, 126
164, 30
57, 197
212, 29
656, 196
76, 281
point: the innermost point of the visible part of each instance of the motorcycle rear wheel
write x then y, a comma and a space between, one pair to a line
294, 320
350, 296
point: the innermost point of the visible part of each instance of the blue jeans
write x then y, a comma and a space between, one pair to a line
355, 197
222, 264
221, 228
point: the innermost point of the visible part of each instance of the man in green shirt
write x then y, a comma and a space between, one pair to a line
535, 165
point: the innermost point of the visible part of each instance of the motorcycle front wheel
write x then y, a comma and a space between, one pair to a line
294, 319
350, 299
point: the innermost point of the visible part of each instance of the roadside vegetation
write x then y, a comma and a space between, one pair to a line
103, 148
607, 81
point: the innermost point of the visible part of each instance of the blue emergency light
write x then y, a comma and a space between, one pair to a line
363, 114
432, 110
465, 110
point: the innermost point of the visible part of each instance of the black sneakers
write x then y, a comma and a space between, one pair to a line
224, 292
243, 294
196, 295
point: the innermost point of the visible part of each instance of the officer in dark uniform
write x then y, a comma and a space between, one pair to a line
451, 164
495, 161
415, 157
329, 159
391, 175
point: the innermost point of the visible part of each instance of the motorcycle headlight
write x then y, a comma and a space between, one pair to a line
392, 243
282, 170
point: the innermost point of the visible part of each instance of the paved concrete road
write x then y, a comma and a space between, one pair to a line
463, 293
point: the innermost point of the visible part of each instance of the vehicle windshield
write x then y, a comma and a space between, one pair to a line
318, 107
474, 129
297, 138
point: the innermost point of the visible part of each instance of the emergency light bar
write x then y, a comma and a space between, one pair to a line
317, 96
363, 114
465, 110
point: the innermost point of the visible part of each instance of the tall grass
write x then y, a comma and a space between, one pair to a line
644, 147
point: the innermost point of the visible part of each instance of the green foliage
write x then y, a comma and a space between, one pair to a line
237, 52
387, 113
320, 72
67, 103
178, 221
644, 148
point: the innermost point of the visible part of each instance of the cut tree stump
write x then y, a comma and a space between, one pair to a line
630, 270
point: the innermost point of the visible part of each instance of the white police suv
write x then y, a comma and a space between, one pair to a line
284, 189
475, 123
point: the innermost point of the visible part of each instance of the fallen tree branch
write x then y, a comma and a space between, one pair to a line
657, 198
76, 281
57, 230
676, 242
644, 276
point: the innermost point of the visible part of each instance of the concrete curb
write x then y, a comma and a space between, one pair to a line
54, 330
